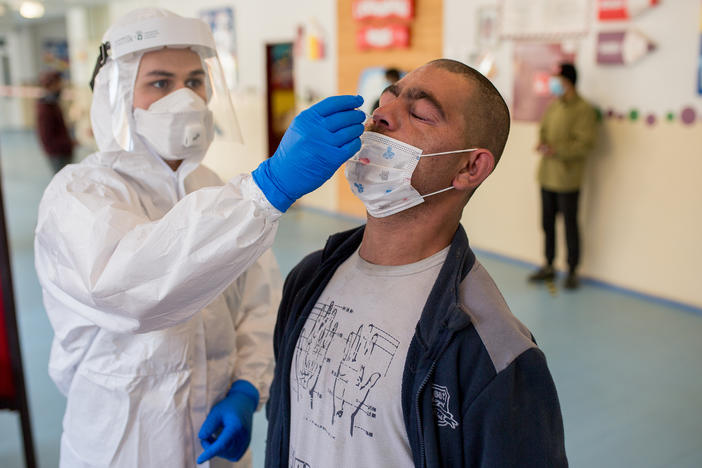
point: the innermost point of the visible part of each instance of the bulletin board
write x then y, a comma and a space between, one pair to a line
523, 19
54, 56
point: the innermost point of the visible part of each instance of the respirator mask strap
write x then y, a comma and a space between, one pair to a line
101, 61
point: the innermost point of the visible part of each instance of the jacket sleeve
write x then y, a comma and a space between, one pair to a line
516, 420
100, 256
581, 137
254, 304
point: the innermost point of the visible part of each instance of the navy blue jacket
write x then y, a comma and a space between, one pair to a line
476, 391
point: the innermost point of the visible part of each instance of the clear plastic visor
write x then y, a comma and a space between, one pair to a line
122, 80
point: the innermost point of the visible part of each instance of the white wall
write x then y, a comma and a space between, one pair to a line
641, 201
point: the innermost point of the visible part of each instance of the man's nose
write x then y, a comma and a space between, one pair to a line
386, 118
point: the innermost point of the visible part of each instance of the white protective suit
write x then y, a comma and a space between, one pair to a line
161, 290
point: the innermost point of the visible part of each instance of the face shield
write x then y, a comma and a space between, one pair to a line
115, 75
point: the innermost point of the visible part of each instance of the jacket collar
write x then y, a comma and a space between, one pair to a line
442, 314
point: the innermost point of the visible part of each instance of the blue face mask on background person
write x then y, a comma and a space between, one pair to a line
380, 174
555, 86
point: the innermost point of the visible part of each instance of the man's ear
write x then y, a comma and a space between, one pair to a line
476, 167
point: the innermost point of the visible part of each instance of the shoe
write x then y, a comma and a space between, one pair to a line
571, 281
545, 273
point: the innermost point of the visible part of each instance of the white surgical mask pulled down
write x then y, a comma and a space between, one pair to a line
178, 126
380, 174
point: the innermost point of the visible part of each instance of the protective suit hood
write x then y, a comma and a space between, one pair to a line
127, 40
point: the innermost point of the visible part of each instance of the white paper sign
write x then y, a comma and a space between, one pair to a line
544, 18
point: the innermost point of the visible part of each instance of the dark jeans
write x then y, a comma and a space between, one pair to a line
567, 204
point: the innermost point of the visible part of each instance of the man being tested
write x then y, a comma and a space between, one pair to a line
157, 278
394, 347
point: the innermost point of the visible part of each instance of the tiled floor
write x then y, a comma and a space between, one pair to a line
628, 371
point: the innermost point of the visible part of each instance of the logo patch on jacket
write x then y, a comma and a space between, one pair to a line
440, 402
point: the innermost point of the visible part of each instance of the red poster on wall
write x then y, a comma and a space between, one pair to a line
620, 10
396, 36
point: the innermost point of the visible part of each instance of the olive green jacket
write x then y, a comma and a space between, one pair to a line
570, 128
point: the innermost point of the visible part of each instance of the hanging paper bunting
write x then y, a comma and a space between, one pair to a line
688, 116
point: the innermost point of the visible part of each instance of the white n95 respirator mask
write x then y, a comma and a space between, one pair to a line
380, 174
178, 126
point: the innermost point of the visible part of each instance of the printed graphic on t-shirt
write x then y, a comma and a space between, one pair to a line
345, 384
296, 462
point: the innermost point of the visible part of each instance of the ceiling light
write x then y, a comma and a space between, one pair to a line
31, 9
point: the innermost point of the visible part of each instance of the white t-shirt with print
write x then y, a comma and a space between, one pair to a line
346, 375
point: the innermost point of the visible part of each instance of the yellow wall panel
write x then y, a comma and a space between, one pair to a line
426, 44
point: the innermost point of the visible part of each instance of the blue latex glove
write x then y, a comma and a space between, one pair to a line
316, 144
234, 416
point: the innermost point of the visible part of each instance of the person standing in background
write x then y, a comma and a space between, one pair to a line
51, 128
566, 137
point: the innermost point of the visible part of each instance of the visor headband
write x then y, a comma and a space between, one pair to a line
160, 32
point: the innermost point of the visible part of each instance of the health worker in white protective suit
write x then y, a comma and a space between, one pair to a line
157, 278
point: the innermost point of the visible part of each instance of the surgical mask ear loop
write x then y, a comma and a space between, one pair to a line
437, 192
439, 154
447, 152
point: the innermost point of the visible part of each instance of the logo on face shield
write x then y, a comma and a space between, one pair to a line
388, 154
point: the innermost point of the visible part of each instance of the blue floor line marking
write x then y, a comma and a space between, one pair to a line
599, 283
